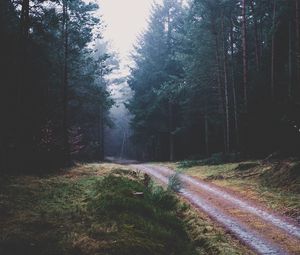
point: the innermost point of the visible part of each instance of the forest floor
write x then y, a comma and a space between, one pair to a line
103, 209
244, 198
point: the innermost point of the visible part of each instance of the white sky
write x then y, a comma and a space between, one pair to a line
124, 19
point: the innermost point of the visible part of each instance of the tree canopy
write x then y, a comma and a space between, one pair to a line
217, 76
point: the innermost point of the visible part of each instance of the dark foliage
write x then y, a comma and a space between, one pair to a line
52, 89
208, 79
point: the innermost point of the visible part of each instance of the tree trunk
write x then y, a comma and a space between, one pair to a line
235, 106
297, 41
221, 108
273, 53
171, 130
290, 60
206, 135
25, 19
257, 48
171, 117
219, 80
99, 134
66, 145
157, 148
101, 131
23, 137
245, 55
227, 136
122, 146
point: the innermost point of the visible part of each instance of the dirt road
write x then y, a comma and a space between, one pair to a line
262, 230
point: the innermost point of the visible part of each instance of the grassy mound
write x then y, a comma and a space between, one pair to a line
84, 212
139, 224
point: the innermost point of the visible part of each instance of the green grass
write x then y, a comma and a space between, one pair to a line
39, 216
100, 209
143, 225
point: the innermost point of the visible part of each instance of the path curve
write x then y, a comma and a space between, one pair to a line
263, 231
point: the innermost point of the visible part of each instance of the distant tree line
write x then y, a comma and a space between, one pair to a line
53, 95
217, 76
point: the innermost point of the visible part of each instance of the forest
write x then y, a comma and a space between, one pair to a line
217, 77
149, 127
54, 100
207, 77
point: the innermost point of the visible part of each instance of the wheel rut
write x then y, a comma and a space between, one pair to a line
263, 231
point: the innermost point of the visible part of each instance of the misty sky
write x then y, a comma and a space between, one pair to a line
125, 19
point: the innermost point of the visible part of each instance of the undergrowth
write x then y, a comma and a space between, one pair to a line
214, 159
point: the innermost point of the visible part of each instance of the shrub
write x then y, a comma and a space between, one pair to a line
175, 183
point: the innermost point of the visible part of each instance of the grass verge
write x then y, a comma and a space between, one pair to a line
101, 209
274, 183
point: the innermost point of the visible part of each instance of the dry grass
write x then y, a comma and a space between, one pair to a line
211, 237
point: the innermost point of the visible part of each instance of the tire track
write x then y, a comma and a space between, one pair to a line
257, 241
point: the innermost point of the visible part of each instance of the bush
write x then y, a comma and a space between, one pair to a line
175, 183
